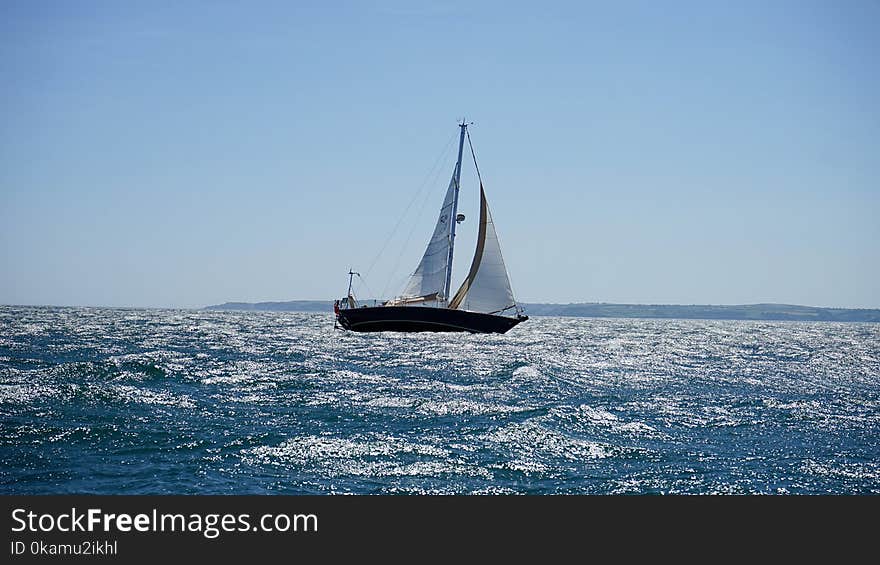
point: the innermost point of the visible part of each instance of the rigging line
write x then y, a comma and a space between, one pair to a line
408, 239
397, 282
431, 172
480, 178
474, 155
364, 283
436, 173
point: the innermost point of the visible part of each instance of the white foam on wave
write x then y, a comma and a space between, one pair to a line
428, 469
524, 465
349, 376
391, 402
533, 444
248, 375
677, 412
232, 379
372, 455
453, 387
528, 373
640, 428
800, 408
310, 449
720, 417
596, 415
869, 471
463, 407
160, 398
588, 418
25, 393
321, 398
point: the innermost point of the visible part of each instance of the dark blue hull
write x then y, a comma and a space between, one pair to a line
423, 319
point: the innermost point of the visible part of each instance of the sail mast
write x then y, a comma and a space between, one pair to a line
463, 125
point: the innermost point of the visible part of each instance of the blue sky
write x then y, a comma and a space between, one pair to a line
179, 154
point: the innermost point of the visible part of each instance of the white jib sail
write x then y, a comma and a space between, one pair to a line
487, 286
429, 279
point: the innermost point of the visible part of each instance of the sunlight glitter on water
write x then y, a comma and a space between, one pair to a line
281, 402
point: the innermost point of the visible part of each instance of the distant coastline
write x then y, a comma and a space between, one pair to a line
766, 312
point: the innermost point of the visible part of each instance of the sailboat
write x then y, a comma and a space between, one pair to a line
484, 303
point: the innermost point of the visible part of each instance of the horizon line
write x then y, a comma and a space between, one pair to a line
330, 301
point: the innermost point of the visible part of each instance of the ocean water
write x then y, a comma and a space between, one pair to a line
129, 401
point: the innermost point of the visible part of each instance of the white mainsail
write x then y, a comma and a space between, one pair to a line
487, 286
429, 279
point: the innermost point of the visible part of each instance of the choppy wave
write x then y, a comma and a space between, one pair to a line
160, 401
